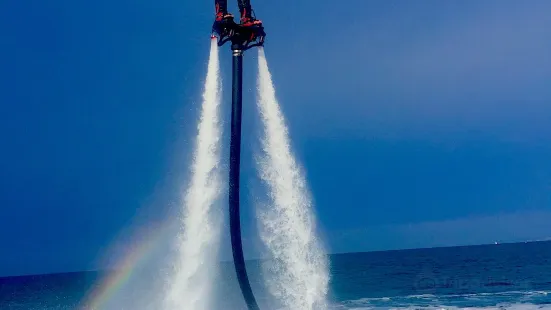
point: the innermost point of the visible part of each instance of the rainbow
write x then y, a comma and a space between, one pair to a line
97, 298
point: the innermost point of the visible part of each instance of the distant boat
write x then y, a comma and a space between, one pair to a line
496, 242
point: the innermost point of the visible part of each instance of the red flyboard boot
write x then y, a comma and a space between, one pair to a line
247, 20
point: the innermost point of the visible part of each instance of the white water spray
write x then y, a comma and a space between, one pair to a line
191, 285
299, 277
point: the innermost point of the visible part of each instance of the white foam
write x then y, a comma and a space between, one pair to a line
298, 278
190, 286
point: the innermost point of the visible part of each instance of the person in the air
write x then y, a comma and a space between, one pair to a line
246, 20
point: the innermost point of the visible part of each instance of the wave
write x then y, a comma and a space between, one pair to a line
517, 300
518, 306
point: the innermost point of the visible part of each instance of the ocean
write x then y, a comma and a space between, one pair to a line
503, 276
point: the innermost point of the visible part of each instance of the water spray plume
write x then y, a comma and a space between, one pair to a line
191, 285
299, 277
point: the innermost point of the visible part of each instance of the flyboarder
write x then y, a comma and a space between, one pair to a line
248, 33
247, 19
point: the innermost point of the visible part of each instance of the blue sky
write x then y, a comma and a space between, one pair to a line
418, 123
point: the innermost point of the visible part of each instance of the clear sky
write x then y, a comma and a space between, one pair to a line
419, 123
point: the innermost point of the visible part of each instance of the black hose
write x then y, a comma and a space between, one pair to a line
235, 154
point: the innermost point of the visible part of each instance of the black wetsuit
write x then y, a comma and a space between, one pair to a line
244, 7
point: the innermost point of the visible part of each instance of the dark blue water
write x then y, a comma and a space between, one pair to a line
506, 276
